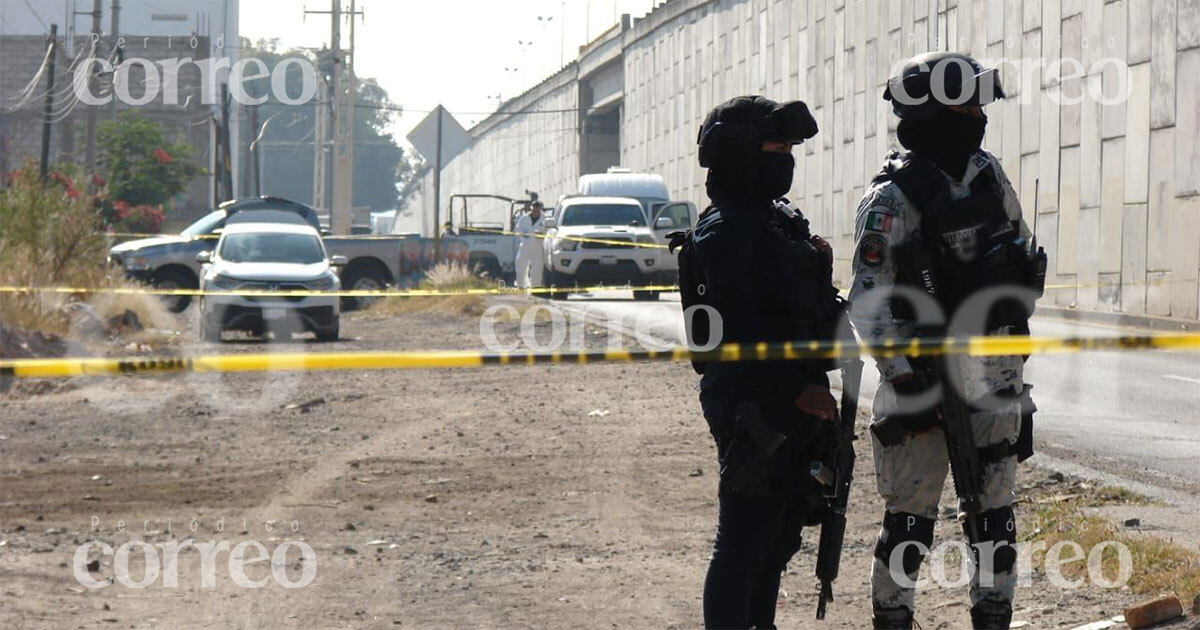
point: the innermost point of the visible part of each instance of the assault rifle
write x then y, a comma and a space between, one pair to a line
837, 485
955, 416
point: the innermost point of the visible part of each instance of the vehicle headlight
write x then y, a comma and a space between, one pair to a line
219, 281
323, 283
567, 245
644, 239
136, 263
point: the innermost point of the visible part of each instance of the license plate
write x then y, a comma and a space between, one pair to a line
274, 313
608, 260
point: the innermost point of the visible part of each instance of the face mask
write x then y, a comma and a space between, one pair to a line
773, 179
948, 140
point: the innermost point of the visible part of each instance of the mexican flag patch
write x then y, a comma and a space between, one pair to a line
879, 221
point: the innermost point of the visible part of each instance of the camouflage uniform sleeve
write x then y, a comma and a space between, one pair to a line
1012, 202
879, 224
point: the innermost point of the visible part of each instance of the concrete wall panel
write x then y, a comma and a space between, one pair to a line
1162, 64
1187, 123
1137, 136
1119, 182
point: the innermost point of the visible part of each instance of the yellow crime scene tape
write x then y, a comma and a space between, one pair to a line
341, 293
582, 239
324, 361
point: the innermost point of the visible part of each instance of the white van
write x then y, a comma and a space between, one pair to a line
650, 190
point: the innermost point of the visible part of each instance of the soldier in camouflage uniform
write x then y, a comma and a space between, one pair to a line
968, 205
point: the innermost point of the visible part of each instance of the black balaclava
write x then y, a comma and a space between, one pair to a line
756, 178
949, 139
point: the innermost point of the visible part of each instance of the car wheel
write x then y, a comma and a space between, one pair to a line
552, 278
174, 279
486, 268
363, 278
331, 333
645, 296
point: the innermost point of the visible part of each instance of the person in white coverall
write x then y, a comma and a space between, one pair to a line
529, 249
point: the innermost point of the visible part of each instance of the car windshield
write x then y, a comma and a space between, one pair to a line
614, 214
206, 224
267, 247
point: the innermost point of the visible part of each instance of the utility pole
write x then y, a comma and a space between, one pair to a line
49, 107
255, 149
90, 151
116, 20
341, 121
226, 175
319, 161
437, 190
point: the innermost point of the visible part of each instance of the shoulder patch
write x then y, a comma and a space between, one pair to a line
880, 201
981, 159
879, 221
872, 250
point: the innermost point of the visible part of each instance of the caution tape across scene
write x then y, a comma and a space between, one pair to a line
379, 293
466, 232
322, 361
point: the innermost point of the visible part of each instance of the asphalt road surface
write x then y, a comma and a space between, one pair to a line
1129, 416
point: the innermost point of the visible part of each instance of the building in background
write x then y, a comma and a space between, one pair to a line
1118, 185
154, 30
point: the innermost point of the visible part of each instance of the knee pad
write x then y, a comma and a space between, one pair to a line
991, 614
998, 535
896, 618
900, 528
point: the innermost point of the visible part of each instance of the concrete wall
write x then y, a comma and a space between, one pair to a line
535, 151
1118, 204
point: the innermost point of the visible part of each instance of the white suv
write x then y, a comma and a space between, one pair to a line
269, 257
594, 240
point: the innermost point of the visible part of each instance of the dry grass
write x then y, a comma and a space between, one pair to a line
1160, 566
52, 239
442, 277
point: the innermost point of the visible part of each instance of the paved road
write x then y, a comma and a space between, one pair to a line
1132, 416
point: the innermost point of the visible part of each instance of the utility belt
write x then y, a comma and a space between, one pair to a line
893, 429
759, 459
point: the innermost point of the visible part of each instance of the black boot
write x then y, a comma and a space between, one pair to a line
898, 618
991, 614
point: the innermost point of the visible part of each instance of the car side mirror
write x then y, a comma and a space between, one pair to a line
204, 257
337, 260
549, 222
663, 223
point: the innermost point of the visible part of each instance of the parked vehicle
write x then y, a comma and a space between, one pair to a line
593, 240
651, 192
375, 262
649, 189
275, 256
489, 250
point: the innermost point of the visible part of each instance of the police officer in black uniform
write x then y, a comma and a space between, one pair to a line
753, 259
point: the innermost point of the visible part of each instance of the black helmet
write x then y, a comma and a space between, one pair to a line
737, 128
933, 80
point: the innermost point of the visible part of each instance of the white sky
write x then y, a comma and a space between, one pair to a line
453, 52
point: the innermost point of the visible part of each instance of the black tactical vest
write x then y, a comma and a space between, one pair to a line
793, 283
963, 246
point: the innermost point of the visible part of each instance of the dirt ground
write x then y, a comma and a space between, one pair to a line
543, 496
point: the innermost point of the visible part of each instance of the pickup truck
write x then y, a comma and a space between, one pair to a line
372, 262
492, 248
592, 239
